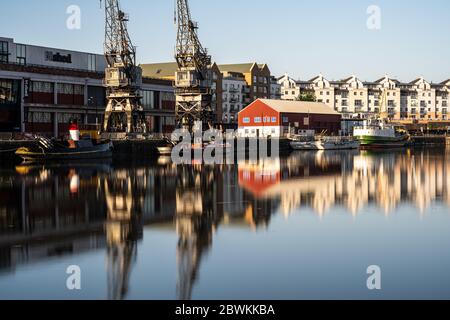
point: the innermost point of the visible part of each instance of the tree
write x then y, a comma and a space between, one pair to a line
307, 96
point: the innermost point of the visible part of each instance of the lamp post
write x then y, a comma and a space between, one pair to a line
93, 102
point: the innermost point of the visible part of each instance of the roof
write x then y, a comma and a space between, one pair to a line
159, 70
384, 78
240, 67
284, 106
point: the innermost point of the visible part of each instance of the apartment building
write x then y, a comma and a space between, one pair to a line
416, 100
275, 89
245, 83
234, 94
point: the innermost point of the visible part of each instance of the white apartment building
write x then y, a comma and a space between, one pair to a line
275, 89
234, 90
416, 100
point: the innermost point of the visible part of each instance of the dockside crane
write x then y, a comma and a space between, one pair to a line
193, 79
123, 78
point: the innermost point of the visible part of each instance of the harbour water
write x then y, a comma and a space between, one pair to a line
304, 226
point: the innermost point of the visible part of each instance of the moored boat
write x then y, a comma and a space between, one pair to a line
49, 150
377, 133
338, 143
325, 143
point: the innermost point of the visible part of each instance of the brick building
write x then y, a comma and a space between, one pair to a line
42, 89
277, 118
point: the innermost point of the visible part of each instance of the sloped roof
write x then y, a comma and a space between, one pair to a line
283, 106
240, 67
159, 70
381, 79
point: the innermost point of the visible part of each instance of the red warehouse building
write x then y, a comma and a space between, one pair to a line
277, 118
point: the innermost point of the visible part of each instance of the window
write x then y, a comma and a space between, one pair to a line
246, 120
9, 92
21, 54
148, 101
257, 119
42, 87
4, 52
274, 119
92, 62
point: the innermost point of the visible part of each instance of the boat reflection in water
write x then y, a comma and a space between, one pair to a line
53, 213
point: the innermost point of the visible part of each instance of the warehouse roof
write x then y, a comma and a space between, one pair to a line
283, 106
240, 67
159, 70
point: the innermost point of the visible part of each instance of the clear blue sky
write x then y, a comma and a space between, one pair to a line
301, 37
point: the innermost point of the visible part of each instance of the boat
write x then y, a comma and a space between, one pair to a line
47, 149
325, 143
338, 143
377, 133
303, 142
166, 148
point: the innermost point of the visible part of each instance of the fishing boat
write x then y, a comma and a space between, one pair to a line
303, 142
47, 149
325, 143
377, 133
338, 143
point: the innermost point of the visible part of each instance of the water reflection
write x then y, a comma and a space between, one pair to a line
51, 211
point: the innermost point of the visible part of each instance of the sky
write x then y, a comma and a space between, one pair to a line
299, 37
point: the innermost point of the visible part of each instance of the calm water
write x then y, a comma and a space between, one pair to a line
302, 227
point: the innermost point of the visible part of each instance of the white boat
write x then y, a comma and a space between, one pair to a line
338, 143
303, 142
325, 143
378, 133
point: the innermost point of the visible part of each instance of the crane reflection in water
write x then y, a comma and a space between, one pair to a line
54, 211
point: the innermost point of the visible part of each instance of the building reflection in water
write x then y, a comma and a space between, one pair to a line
56, 210
325, 180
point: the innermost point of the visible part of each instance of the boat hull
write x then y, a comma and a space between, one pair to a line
325, 145
97, 152
338, 146
380, 141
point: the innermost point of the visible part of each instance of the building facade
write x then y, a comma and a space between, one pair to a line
415, 101
166, 71
243, 84
42, 89
277, 118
